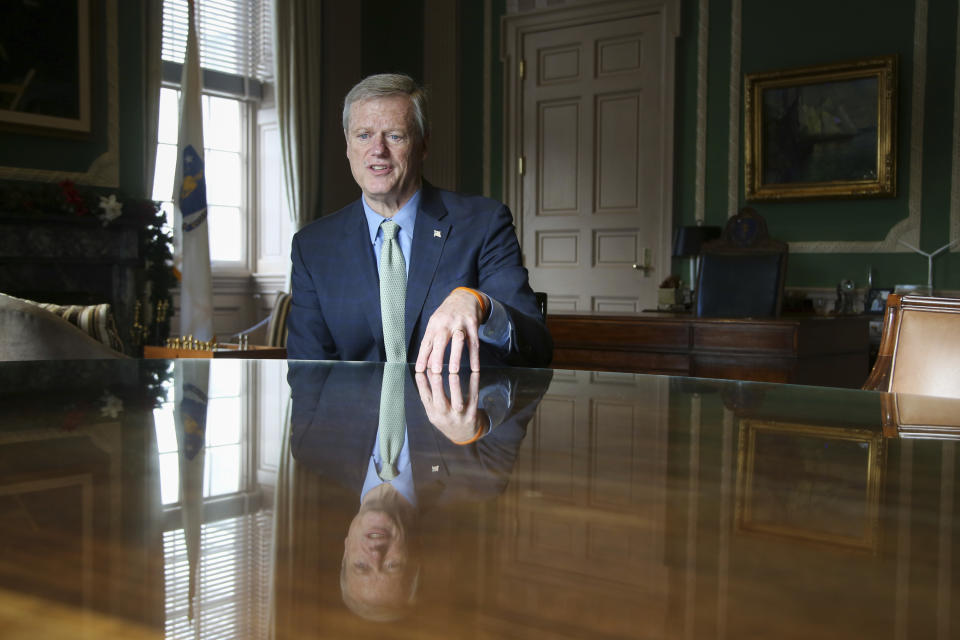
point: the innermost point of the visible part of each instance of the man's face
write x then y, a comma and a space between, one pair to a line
385, 151
376, 563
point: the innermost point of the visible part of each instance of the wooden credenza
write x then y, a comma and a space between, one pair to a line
824, 351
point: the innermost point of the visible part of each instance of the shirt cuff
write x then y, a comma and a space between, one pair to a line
498, 330
496, 399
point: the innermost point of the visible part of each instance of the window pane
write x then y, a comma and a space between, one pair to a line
167, 208
223, 421
169, 116
223, 475
169, 477
224, 178
227, 376
226, 233
221, 125
166, 429
165, 171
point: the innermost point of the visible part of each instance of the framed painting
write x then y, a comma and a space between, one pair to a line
824, 131
45, 70
809, 482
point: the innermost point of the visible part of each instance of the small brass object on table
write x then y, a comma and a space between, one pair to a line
189, 347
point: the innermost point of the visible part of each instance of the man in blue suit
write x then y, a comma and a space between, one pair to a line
467, 298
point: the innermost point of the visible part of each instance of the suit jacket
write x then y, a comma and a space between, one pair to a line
458, 240
334, 429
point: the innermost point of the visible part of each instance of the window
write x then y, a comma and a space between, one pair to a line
233, 580
234, 35
229, 553
224, 455
224, 124
235, 55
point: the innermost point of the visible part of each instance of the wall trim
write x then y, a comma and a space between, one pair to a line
908, 229
104, 171
487, 95
441, 72
733, 151
700, 173
269, 283
955, 177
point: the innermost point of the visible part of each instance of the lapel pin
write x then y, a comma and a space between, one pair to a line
436, 233
435, 468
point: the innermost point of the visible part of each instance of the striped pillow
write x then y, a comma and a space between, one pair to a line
96, 320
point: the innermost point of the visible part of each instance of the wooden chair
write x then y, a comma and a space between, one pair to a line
277, 327
919, 349
742, 273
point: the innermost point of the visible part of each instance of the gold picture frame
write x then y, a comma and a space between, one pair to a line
821, 131
813, 483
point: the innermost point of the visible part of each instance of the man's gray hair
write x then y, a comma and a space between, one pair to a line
390, 84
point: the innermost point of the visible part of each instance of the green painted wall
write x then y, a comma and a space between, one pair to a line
473, 36
471, 96
392, 38
781, 35
498, 10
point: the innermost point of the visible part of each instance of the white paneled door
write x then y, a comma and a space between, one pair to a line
593, 174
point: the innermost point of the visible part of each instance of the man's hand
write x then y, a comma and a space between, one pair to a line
458, 419
455, 322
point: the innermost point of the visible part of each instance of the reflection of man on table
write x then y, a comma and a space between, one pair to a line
454, 448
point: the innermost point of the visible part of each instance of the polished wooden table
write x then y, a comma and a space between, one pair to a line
593, 505
801, 349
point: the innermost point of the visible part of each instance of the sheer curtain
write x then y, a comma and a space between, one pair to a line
298, 54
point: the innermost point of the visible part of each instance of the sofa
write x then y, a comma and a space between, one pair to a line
36, 331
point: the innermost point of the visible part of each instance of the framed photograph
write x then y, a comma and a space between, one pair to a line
810, 483
824, 131
876, 301
45, 70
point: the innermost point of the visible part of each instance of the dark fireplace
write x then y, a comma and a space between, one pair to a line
68, 260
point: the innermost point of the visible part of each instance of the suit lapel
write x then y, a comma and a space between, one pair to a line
357, 243
429, 235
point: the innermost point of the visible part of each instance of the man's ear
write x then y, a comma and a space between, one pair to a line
426, 146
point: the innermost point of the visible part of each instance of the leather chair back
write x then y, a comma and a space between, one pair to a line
742, 273
920, 347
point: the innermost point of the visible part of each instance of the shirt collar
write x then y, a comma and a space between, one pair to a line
405, 217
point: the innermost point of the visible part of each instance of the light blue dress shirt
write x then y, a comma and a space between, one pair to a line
403, 482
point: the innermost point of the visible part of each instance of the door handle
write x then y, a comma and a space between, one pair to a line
646, 267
